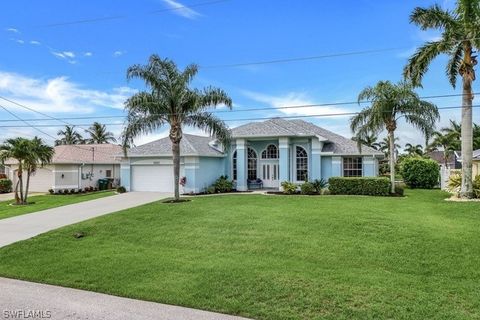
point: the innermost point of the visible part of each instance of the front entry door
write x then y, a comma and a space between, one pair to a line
270, 173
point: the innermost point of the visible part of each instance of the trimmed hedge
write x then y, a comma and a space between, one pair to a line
359, 186
420, 173
5, 185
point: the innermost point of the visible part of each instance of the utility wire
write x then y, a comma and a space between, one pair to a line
120, 17
50, 118
249, 119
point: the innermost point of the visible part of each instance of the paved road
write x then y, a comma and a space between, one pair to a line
64, 303
29, 225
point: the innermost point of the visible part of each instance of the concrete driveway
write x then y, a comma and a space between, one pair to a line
29, 225
54, 302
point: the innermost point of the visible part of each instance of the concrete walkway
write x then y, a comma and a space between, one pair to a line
63, 303
29, 225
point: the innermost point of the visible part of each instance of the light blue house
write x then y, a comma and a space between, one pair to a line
261, 154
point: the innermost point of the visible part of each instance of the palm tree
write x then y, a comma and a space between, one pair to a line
390, 103
414, 150
39, 154
446, 141
169, 100
99, 134
460, 38
369, 140
476, 136
69, 136
384, 146
29, 154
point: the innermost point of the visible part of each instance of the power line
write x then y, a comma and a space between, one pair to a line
215, 111
119, 17
250, 119
27, 123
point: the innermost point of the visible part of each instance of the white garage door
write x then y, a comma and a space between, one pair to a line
41, 180
152, 178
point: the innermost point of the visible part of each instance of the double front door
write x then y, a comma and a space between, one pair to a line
270, 174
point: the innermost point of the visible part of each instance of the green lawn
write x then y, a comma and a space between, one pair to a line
275, 257
46, 202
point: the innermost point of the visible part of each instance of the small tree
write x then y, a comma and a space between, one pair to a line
99, 134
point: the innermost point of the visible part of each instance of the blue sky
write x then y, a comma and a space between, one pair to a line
70, 70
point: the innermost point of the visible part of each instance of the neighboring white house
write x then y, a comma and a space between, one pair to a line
74, 167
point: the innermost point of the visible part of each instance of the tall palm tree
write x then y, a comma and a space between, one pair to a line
446, 141
169, 100
69, 136
476, 136
29, 154
460, 38
99, 134
390, 103
414, 150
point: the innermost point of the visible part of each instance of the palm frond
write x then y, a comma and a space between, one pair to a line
208, 122
433, 17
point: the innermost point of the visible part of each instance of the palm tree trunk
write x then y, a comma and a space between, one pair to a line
467, 131
17, 198
391, 140
26, 187
176, 168
20, 179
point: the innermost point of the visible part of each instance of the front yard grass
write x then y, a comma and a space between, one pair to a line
44, 202
274, 257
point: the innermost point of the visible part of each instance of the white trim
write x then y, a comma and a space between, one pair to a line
265, 149
294, 151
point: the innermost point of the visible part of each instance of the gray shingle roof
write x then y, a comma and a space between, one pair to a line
277, 127
476, 154
189, 145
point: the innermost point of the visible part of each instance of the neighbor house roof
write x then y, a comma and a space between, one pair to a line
84, 154
476, 154
438, 157
190, 145
277, 127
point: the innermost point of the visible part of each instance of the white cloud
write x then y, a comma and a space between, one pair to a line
297, 100
118, 53
35, 42
20, 41
181, 9
88, 54
58, 94
14, 30
69, 54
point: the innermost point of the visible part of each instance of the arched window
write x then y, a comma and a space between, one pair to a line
252, 164
271, 152
234, 165
302, 164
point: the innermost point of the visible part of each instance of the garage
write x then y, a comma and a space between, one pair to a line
157, 178
40, 181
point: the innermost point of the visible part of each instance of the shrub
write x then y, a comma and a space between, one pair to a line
5, 185
73, 191
420, 173
211, 190
66, 191
308, 188
60, 191
289, 187
121, 189
325, 192
222, 184
455, 184
319, 184
51, 191
399, 189
359, 186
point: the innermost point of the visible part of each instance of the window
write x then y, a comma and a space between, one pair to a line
108, 173
252, 164
302, 164
352, 167
234, 165
271, 152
